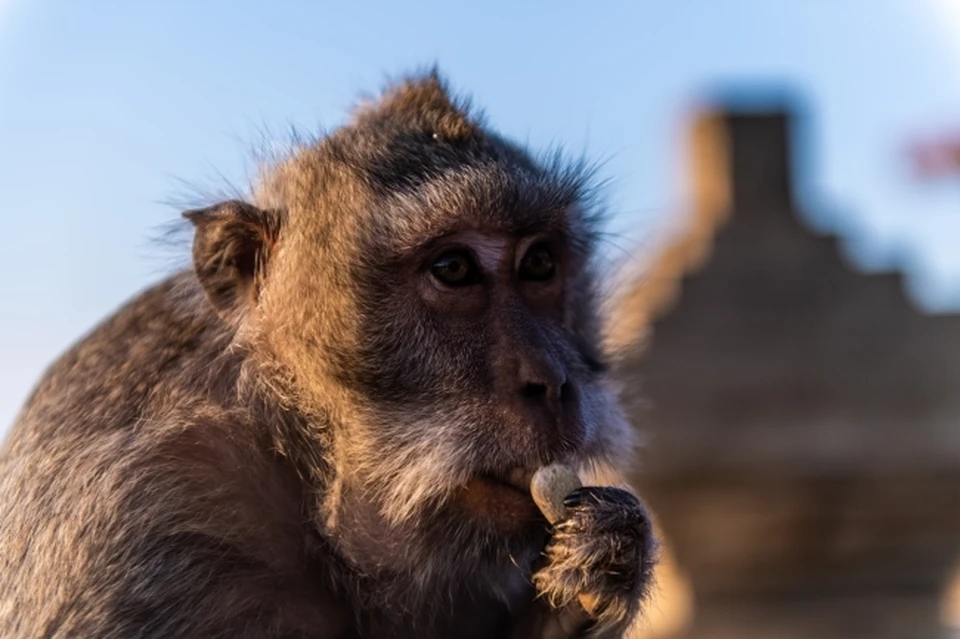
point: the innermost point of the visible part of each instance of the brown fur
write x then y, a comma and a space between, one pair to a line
300, 437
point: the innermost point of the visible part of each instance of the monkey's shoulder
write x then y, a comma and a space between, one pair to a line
154, 530
144, 351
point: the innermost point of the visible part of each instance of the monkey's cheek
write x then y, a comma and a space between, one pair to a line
498, 505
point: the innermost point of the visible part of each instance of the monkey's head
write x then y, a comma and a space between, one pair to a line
424, 292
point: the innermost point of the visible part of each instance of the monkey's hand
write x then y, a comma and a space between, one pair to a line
599, 562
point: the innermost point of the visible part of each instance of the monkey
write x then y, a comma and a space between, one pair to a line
326, 426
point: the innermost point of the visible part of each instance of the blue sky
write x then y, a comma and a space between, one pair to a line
104, 106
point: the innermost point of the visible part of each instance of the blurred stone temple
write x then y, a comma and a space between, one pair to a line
802, 418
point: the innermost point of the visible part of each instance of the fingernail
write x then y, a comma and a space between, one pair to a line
573, 499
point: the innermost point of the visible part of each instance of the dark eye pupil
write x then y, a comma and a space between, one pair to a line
455, 269
537, 265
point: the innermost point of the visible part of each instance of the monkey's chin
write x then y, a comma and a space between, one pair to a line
504, 505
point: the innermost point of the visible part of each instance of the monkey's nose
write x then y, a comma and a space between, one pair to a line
546, 389
549, 408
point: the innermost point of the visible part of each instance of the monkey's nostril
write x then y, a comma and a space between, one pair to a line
535, 391
549, 395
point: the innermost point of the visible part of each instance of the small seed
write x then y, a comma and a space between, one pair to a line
549, 486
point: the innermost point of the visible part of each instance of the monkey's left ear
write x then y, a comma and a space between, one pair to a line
232, 243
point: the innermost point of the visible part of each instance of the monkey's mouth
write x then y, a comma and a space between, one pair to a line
503, 497
518, 478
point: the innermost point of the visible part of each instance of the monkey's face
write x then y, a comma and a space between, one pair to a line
475, 356
478, 359
428, 287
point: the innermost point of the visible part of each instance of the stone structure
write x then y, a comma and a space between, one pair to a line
803, 418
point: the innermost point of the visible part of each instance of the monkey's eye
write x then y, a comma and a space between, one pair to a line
537, 265
455, 269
